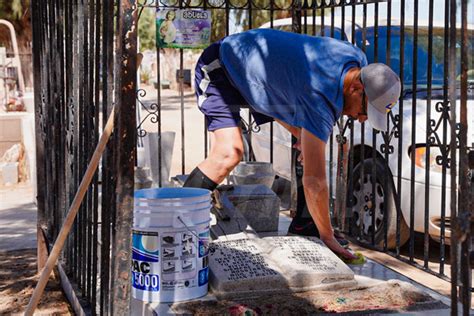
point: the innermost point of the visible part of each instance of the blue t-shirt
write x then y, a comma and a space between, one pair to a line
295, 78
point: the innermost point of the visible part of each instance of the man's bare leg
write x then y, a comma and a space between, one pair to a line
295, 131
227, 149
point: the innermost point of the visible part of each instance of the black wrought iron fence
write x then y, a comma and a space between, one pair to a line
84, 65
404, 191
394, 191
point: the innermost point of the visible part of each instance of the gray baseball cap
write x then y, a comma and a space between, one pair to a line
382, 87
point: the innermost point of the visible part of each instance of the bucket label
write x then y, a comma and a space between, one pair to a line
169, 264
145, 261
145, 246
146, 282
178, 251
178, 285
203, 276
204, 243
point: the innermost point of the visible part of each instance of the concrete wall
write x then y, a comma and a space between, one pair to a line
10, 132
19, 127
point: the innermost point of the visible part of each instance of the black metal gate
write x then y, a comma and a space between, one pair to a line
85, 63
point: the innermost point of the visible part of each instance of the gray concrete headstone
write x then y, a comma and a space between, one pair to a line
275, 264
151, 149
259, 205
235, 226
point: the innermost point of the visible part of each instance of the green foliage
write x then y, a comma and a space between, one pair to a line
16, 12
145, 76
146, 29
13, 9
242, 19
17, 9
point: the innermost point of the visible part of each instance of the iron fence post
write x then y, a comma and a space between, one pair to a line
465, 184
455, 231
296, 178
125, 130
342, 176
42, 218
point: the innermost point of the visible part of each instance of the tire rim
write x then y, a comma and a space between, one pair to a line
362, 209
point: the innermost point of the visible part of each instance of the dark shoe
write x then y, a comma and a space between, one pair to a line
303, 228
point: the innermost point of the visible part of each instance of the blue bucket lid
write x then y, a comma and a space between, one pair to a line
172, 193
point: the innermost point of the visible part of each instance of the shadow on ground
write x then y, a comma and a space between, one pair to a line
434, 250
17, 281
18, 227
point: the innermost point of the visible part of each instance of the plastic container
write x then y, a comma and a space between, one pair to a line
170, 244
9, 171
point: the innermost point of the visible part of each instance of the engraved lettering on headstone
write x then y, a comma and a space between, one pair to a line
241, 260
306, 254
274, 262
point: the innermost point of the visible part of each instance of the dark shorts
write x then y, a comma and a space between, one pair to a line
217, 98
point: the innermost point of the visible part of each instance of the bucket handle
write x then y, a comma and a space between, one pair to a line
179, 218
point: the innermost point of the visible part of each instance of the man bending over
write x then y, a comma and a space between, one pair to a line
303, 82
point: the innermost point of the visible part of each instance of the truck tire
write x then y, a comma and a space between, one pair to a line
361, 213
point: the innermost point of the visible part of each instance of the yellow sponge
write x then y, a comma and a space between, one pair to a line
358, 260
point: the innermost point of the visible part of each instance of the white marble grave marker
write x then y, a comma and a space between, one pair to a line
275, 264
238, 265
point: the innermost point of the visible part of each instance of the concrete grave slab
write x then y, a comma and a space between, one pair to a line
275, 264
240, 266
307, 262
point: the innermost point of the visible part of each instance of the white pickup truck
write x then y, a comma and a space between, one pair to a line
358, 204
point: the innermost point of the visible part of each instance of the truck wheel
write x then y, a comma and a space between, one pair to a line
364, 219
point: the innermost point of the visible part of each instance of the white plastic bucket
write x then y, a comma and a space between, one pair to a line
170, 244
9, 173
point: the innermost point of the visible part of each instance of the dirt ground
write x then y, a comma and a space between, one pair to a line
17, 281
384, 298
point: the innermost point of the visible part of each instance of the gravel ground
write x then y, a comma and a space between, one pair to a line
18, 271
382, 298
17, 281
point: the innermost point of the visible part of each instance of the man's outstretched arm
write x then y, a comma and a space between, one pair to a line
316, 190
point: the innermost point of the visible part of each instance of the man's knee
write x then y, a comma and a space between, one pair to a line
227, 146
232, 156
228, 157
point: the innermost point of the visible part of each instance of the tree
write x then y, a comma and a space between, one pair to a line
146, 29
17, 12
239, 18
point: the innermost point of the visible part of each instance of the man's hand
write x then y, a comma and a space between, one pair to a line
334, 245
